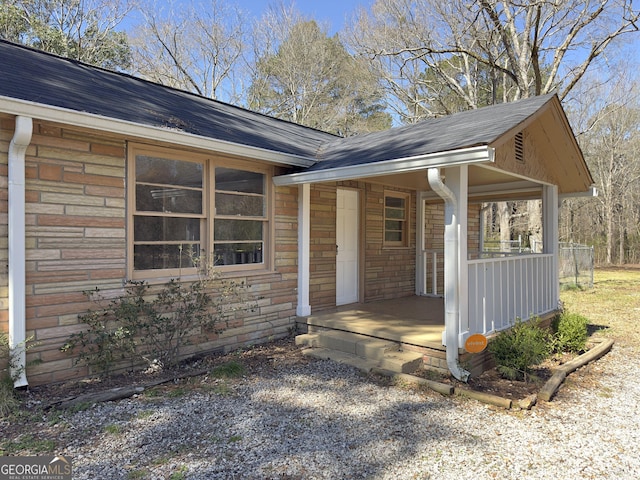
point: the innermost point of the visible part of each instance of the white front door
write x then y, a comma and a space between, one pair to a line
347, 226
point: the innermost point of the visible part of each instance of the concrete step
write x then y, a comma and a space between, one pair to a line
307, 340
360, 363
359, 350
401, 362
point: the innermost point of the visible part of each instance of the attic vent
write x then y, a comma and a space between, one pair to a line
519, 147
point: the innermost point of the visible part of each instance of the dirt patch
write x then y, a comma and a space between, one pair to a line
263, 360
493, 383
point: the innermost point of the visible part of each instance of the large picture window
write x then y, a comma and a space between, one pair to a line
185, 207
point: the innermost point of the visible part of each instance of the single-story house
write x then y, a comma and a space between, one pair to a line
106, 177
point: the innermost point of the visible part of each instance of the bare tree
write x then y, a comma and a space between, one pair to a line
83, 30
486, 51
302, 75
194, 47
611, 146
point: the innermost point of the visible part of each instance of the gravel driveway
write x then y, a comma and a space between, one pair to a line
321, 420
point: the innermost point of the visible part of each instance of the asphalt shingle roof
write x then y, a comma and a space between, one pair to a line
47, 79
42, 78
461, 130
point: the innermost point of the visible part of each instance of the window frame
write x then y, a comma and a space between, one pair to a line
404, 241
208, 216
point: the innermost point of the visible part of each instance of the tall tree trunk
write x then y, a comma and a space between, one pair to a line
609, 220
534, 209
504, 217
621, 245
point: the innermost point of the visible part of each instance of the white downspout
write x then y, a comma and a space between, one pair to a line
451, 293
17, 256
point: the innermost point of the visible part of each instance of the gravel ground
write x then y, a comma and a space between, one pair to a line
321, 420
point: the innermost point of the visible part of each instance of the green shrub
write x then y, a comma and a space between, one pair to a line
152, 325
520, 348
570, 331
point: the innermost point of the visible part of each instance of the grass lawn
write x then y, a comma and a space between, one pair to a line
613, 304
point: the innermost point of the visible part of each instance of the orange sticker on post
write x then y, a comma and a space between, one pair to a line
475, 343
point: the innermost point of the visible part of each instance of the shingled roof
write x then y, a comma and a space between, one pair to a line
50, 80
47, 79
461, 130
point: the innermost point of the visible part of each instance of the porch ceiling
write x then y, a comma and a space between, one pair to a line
485, 184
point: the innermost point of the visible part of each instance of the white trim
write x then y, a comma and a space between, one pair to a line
550, 235
462, 156
509, 188
420, 244
304, 243
17, 258
140, 131
592, 192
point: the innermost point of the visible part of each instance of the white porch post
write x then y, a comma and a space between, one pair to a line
550, 235
420, 245
457, 179
304, 241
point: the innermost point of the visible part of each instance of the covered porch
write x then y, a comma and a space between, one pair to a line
527, 155
414, 320
414, 325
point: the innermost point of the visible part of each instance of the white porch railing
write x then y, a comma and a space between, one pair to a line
433, 268
503, 289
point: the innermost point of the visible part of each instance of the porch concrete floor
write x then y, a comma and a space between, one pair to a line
412, 320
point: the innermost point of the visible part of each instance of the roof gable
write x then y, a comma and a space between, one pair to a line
454, 132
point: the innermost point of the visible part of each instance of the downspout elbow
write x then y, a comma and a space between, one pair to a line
17, 257
438, 186
452, 310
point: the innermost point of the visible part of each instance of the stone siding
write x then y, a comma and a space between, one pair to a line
76, 241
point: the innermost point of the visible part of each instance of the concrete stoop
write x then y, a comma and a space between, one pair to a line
360, 351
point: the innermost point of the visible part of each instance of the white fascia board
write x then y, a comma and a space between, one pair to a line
592, 192
131, 129
464, 156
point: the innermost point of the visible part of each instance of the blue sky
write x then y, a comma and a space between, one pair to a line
330, 12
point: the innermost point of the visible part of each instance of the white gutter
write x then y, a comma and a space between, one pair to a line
147, 132
451, 287
17, 256
463, 156
592, 192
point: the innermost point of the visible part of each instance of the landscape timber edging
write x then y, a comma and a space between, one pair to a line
550, 388
546, 392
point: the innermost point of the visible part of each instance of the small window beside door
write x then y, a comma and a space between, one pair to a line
396, 219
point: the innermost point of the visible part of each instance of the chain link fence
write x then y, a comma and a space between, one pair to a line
576, 263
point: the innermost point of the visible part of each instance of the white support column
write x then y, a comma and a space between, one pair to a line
550, 235
421, 287
304, 242
457, 179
